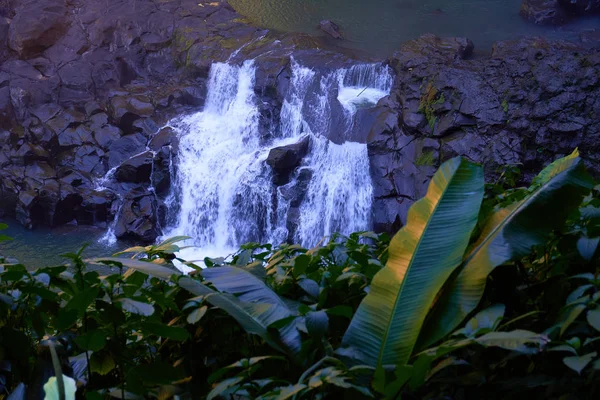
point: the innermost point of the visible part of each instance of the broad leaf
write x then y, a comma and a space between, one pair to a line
283, 393
578, 364
421, 258
518, 340
593, 318
485, 321
146, 267
255, 318
136, 307
587, 247
93, 340
509, 233
250, 289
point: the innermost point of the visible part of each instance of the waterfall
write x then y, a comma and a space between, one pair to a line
224, 189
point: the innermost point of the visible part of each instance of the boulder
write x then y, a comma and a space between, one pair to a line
330, 28
107, 135
137, 218
37, 25
124, 148
161, 172
283, 160
137, 169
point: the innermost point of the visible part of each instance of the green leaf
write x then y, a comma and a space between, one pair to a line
52, 392
317, 323
485, 321
422, 256
196, 315
82, 300
102, 363
524, 342
93, 340
569, 315
301, 263
310, 287
224, 387
136, 307
578, 364
587, 247
593, 318
255, 318
283, 393
509, 233
146, 267
253, 291
165, 331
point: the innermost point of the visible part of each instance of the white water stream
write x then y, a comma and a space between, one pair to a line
223, 191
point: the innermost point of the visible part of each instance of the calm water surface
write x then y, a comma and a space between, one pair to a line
380, 26
42, 247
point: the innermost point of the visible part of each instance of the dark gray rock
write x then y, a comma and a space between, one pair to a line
283, 160
137, 218
137, 169
37, 25
124, 148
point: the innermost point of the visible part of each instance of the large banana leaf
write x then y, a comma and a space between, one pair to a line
250, 302
509, 233
422, 257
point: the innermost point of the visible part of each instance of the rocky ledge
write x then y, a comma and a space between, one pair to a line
86, 88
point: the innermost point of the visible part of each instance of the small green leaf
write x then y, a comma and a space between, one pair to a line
317, 323
310, 287
51, 388
593, 318
518, 340
93, 340
196, 315
485, 321
587, 247
102, 363
136, 307
570, 316
224, 386
283, 393
301, 263
82, 300
578, 364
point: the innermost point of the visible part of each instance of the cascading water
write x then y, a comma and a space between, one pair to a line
225, 193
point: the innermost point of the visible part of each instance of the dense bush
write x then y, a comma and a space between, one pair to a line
427, 315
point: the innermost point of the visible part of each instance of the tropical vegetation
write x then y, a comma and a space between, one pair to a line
488, 291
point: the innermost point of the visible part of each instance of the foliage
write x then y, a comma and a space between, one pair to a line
487, 292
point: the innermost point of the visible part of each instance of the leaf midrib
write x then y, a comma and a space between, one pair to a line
435, 209
510, 217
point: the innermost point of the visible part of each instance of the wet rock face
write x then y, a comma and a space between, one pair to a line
284, 160
37, 25
531, 102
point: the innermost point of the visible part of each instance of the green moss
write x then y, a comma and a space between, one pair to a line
430, 98
505, 106
425, 159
